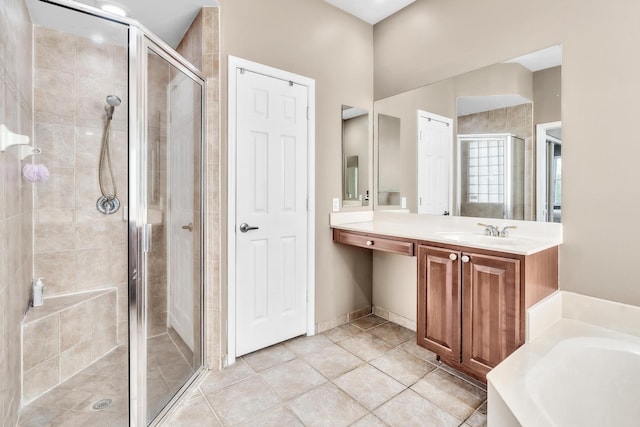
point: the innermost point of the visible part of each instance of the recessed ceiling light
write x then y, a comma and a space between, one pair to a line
112, 8
97, 38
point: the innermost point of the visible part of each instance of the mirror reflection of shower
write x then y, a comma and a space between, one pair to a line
108, 202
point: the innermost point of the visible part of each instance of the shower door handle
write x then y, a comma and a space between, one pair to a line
244, 227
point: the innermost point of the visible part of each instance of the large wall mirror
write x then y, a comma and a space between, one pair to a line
355, 156
504, 148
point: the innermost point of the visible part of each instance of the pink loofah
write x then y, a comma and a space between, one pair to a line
35, 173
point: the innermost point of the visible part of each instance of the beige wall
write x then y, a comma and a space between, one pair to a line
16, 207
600, 86
547, 99
316, 40
395, 282
495, 79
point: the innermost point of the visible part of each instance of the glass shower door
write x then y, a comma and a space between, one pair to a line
173, 261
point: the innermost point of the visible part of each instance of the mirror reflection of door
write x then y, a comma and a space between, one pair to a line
554, 173
435, 155
549, 172
351, 178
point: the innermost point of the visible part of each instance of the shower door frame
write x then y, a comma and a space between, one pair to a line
140, 42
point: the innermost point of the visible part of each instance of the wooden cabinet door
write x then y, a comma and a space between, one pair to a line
439, 301
490, 310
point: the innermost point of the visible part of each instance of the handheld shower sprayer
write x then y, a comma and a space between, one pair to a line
112, 102
108, 202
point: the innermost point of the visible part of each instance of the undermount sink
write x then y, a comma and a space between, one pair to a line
479, 238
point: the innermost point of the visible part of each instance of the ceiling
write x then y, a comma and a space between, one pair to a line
168, 19
371, 11
541, 59
534, 61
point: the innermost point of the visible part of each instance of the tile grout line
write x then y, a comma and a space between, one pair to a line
285, 403
206, 401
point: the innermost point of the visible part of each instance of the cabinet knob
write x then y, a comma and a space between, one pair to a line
453, 257
465, 258
369, 242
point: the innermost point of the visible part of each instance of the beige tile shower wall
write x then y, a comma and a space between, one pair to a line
76, 247
200, 46
16, 206
516, 120
59, 342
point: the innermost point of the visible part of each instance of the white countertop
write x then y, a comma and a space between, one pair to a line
527, 238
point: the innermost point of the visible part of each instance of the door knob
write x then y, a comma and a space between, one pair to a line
465, 258
244, 227
188, 227
453, 257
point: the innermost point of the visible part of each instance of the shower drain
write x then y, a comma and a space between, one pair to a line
101, 404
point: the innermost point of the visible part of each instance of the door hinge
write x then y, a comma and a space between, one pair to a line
308, 113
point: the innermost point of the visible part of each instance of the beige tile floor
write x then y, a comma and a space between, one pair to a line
70, 404
366, 373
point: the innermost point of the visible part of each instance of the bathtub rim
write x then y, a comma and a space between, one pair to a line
508, 380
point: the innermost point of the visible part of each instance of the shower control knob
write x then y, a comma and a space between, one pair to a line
453, 257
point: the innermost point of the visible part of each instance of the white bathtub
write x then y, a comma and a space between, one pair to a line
587, 381
574, 374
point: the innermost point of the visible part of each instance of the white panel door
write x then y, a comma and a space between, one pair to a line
271, 195
180, 217
435, 154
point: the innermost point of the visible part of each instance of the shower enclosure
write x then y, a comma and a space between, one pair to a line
491, 176
146, 342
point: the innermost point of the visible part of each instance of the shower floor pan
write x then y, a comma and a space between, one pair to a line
81, 400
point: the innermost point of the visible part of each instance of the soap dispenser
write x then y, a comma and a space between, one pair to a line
38, 293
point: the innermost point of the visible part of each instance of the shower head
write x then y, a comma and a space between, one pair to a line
113, 100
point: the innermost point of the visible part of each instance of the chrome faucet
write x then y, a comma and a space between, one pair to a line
492, 230
505, 231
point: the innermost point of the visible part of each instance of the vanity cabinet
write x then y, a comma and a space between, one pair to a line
472, 303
